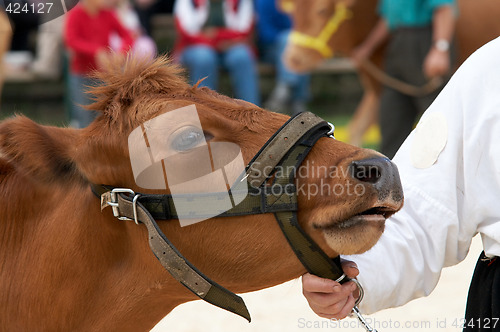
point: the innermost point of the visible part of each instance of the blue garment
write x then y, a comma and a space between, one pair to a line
270, 21
203, 61
78, 84
410, 13
273, 28
299, 83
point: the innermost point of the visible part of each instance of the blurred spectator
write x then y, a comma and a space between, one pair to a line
48, 61
218, 32
291, 91
23, 22
48, 56
420, 33
143, 44
18, 59
87, 35
5, 39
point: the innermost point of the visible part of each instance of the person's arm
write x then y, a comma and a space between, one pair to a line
125, 35
437, 62
377, 36
267, 27
450, 192
407, 260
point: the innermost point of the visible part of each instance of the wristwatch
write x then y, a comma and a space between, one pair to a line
442, 45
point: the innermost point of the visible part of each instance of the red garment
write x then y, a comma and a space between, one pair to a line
222, 35
190, 23
85, 34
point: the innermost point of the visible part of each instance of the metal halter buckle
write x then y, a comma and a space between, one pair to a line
115, 206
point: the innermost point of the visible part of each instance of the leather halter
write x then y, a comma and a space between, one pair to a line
288, 147
320, 43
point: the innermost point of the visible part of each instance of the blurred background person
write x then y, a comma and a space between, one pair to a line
5, 39
291, 91
146, 9
420, 33
143, 44
87, 36
48, 62
214, 33
18, 59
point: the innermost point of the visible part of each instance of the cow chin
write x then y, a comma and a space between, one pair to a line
354, 240
300, 59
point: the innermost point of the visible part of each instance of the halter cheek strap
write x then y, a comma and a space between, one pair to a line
129, 207
320, 43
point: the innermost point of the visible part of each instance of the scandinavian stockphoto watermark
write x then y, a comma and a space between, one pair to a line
206, 177
321, 180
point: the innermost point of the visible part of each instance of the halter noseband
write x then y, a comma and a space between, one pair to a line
320, 43
287, 148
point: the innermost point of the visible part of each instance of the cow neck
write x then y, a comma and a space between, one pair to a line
287, 148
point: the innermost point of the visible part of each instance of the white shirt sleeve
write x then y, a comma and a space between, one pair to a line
450, 201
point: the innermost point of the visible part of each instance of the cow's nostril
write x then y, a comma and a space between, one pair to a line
380, 174
366, 172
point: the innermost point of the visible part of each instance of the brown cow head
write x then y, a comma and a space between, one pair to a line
350, 22
345, 195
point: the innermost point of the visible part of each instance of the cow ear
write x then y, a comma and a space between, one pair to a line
40, 152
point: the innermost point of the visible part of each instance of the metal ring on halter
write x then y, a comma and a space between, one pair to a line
342, 277
361, 292
332, 130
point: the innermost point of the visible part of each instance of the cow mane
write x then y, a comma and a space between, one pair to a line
132, 90
124, 79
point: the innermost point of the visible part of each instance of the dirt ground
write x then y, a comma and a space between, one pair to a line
284, 309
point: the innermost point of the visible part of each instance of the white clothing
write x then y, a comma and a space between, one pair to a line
447, 203
238, 18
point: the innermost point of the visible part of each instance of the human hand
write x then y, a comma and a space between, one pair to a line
328, 298
103, 58
360, 54
436, 63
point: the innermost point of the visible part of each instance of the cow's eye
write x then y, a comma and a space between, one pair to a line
188, 138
